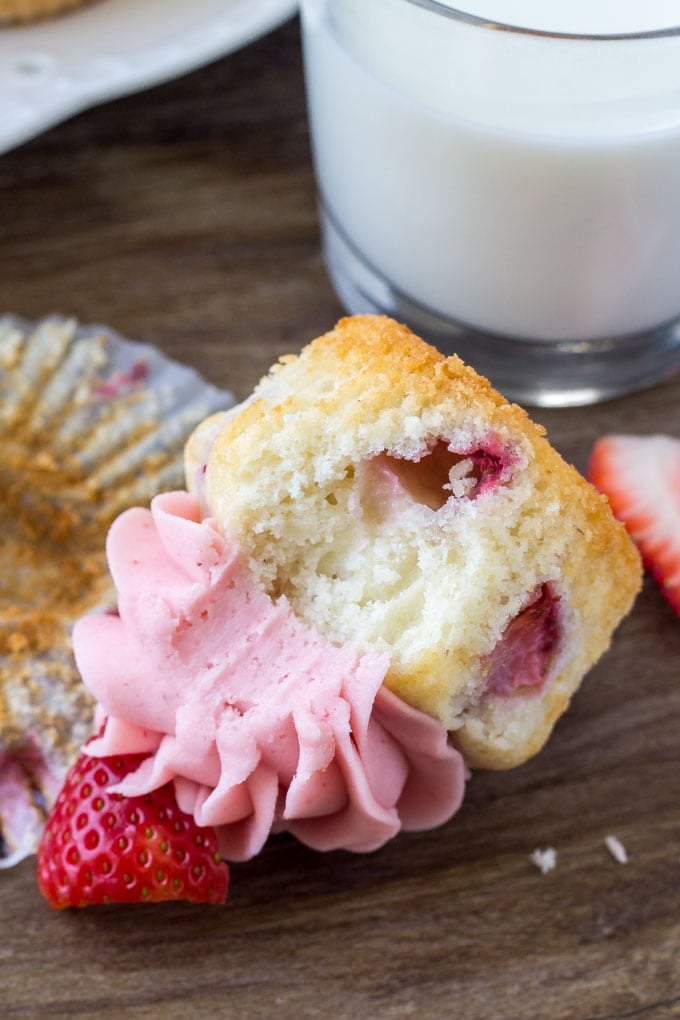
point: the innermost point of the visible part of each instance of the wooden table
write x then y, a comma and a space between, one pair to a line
186, 216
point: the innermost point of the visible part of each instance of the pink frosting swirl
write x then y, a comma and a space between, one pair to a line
261, 722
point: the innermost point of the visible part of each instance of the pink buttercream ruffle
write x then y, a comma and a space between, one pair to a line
261, 722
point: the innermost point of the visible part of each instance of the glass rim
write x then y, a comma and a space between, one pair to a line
457, 14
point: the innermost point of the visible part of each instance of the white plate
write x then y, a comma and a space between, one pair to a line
52, 69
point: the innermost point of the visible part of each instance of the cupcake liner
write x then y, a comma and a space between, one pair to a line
90, 423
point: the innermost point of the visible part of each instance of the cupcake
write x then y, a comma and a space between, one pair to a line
15, 11
399, 503
381, 576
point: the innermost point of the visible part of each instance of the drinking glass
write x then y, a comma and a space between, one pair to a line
510, 191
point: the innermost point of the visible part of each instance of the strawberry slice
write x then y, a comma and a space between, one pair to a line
640, 476
101, 847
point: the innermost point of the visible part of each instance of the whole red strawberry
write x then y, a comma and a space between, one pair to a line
101, 847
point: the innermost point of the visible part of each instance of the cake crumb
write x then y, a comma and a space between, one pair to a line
616, 849
545, 860
17, 643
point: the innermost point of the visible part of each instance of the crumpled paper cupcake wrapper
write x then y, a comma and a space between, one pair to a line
90, 423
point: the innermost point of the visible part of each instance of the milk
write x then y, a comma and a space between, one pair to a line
522, 185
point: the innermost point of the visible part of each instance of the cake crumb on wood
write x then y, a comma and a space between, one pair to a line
616, 849
545, 860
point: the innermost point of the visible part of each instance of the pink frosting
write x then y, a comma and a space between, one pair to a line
262, 723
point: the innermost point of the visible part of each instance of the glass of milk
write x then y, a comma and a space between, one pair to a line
504, 176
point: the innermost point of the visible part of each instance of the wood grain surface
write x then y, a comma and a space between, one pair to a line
186, 216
